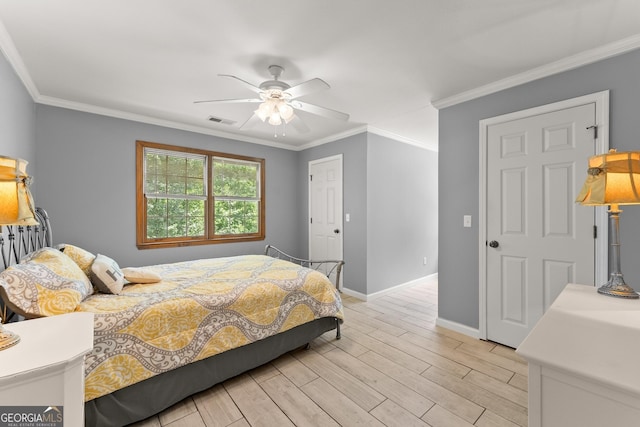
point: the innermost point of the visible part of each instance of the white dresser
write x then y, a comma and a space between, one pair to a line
583, 361
46, 368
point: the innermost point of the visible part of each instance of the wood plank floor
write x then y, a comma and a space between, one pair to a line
392, 367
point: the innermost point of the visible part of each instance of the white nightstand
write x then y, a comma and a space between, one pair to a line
582, 361
46, 368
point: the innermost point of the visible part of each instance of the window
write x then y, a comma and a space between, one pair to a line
190, 197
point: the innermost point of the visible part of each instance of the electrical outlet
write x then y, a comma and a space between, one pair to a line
466, 221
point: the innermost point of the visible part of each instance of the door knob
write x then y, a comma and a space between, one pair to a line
494, 244
337, 231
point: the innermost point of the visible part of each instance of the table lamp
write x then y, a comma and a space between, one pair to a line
613, 179
16, 208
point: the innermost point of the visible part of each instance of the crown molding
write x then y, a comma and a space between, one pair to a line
334, 137
10, 52
571, 62
88, 108
396, 137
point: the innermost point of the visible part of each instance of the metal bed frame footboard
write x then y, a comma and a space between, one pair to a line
327, 267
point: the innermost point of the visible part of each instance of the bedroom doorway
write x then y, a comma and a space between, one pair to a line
325, 208
534, 238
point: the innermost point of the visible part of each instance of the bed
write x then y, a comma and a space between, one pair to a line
170, 330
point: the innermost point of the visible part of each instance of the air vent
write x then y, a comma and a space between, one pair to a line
219, 120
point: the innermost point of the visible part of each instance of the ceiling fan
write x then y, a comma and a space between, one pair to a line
278, 101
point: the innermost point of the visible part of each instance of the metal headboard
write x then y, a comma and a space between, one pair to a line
17, 240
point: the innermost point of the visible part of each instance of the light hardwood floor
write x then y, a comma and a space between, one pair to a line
392, 367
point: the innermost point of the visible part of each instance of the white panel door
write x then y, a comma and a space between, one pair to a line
325, 209
538, 238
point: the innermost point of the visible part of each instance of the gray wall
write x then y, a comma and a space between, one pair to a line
402, 220
354, 164
17, 119
390, 193
459, 163
87, 184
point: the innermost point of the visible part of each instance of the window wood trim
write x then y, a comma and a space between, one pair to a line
142, 242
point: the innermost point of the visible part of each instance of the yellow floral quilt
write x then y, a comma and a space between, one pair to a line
199, 309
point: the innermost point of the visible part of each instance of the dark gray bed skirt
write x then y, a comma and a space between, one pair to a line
151, 396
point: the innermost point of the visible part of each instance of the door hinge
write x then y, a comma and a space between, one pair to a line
310, 177
311, 220
595, 231
595, 131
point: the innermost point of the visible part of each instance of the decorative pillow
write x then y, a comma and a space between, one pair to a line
45, 283
140, 275
60, 264
80, 256
106, 275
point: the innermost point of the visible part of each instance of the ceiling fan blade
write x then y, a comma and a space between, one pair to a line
229, 101
320, 111
251, 122
305, 88
299, 124
250, 86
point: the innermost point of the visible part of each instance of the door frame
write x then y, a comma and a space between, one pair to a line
310, 164
601, 100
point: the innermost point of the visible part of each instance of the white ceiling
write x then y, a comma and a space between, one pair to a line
386, 61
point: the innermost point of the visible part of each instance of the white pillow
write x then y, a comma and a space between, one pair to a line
106, 275
140, 275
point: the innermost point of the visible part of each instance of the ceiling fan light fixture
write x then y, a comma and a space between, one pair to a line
264, 110
286, 111
275, 118
275, 111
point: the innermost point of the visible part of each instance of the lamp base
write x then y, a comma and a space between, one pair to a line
616, 287
7, 338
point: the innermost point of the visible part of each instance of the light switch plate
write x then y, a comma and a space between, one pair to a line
467, 220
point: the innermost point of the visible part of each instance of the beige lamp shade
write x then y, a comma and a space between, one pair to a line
613, 178
16, 202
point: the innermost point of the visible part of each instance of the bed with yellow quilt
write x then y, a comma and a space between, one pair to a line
165, 332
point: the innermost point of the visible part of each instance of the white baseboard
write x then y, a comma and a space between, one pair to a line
458, 327
354, 294
370, 297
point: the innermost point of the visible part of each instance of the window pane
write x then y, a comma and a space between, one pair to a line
195, 168
176, 165
156, 228
236, 217
177, 207
235, 179
156, 218
176, 184
177, 226
150, 186
175, 174
195, 218
195, 186
175, 218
